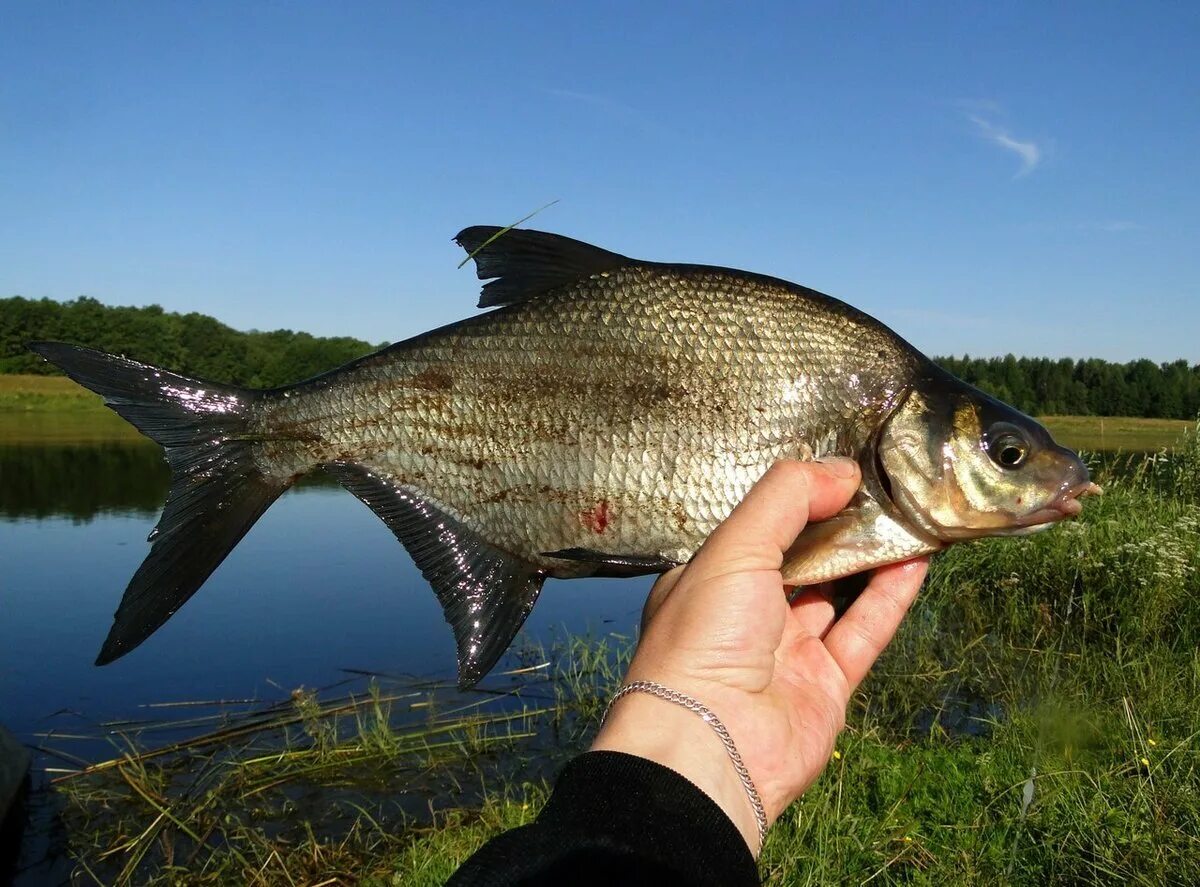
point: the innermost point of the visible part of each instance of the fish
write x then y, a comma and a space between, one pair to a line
600, 419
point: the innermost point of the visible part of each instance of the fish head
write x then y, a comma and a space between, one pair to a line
960, 464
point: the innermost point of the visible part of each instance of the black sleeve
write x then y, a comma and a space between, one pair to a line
617, 819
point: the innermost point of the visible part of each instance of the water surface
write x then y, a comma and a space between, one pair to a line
319, 585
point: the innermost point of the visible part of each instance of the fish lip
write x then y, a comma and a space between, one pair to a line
1066, 505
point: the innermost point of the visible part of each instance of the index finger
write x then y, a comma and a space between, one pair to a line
765, 524
856, 640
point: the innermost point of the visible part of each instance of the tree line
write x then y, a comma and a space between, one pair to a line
193, 344
1043, 386
199, 345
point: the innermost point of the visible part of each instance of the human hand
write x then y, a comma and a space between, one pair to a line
778, 674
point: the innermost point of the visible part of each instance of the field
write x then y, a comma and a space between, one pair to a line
1123, 433
54, 409
1035, 722
44, 393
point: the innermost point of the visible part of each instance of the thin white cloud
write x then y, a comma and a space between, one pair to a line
1029, 152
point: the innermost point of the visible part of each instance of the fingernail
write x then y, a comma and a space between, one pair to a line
839, 466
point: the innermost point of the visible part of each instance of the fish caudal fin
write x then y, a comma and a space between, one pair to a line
485, 592
218, 490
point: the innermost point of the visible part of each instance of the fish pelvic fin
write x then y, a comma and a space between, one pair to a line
617, 565
526, 263
485, 592
218, 489
863, 535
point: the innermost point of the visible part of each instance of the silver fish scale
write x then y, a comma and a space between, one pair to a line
626, 414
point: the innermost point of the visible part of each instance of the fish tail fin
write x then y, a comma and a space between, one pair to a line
218, 485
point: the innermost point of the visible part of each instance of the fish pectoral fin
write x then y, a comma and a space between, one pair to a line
616, 564
526, 263
862, 536
485, 592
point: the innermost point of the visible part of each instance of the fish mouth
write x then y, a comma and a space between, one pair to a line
1066, 505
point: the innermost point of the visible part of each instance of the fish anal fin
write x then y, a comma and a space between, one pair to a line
485, 592
616, 564
861, 536
525, 263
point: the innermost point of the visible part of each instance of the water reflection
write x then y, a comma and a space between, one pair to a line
83, 481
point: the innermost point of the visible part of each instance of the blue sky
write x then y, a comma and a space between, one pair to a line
984, 180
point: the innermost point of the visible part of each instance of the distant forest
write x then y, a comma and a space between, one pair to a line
1043, 386
199, 345
193, 344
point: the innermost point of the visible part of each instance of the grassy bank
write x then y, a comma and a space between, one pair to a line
1125, 433
45, 394
38, 410
53, 409
1035, 722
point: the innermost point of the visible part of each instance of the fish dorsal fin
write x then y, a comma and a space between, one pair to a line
525, 263
485, 592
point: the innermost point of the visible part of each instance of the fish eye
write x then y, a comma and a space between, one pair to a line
1008, 448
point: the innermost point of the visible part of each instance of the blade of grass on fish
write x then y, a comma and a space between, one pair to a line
503, 231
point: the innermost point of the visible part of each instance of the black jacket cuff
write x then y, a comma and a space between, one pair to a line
618, 818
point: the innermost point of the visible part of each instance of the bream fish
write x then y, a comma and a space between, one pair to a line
600, 422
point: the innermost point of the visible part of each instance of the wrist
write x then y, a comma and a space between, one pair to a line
675, 737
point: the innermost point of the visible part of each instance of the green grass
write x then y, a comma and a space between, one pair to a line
1035, 722
45, 393
1125, 433
339, 789
38, 410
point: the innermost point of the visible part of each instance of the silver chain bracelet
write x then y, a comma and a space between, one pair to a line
694, 705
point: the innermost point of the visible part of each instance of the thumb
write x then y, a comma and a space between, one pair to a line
765, 524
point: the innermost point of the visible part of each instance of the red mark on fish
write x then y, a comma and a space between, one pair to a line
596, 518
